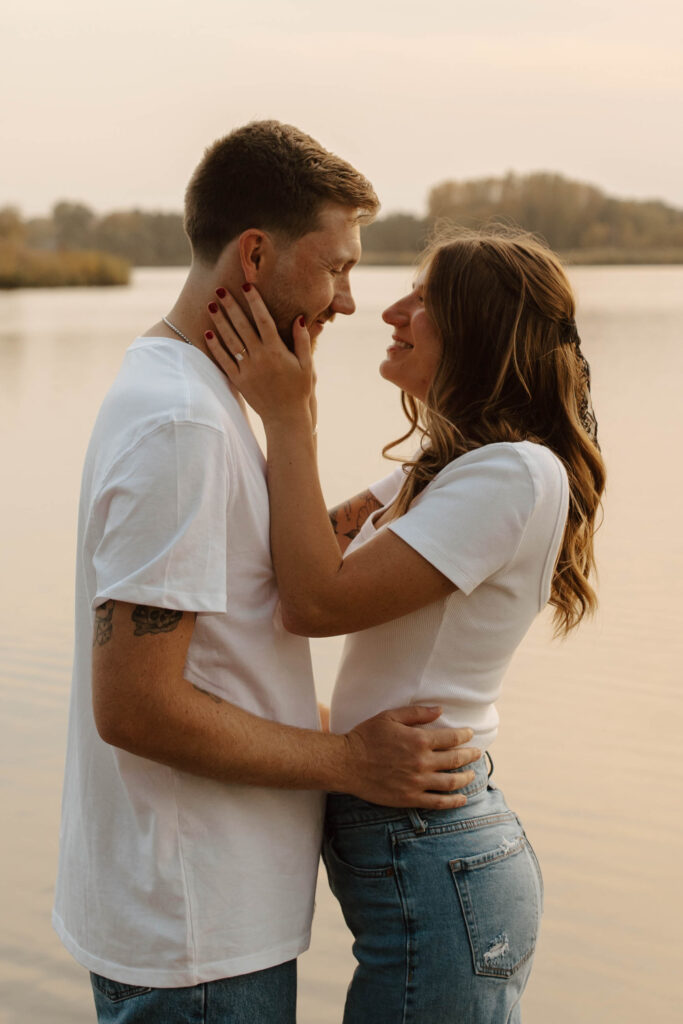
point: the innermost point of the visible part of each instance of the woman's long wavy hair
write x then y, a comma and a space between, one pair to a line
509, 371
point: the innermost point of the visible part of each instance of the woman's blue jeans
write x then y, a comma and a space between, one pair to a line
444, 907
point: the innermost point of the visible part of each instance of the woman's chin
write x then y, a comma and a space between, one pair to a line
386, 370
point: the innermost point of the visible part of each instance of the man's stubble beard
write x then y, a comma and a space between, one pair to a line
281, 313
284, 316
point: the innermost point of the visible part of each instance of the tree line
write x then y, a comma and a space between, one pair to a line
142, 238
578, 220
33, 254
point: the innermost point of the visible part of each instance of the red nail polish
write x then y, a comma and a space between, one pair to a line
221, 293
208, 335
213, 308
246, 287
302, 321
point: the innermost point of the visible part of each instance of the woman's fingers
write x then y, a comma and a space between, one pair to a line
265, 325
232, 326
267, 329
242, 339
302, 344
237, 316
271, 378
224, 360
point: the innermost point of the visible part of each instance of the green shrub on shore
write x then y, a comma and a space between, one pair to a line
21, 267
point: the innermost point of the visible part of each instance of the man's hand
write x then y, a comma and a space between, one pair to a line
143, 704
392, 762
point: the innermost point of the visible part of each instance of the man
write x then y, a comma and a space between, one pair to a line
195, 765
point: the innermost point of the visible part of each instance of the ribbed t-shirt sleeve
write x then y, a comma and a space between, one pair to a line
469, 522
161, 517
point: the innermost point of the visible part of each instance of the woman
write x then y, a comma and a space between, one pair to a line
491, 519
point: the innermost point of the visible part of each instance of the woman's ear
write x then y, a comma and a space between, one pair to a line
256, 252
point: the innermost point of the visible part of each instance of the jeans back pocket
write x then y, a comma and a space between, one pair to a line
500, 898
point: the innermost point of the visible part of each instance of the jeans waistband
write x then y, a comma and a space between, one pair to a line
343, 809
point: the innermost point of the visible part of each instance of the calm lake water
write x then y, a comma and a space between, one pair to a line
588, 752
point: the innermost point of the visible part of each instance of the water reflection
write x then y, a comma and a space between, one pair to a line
588, 751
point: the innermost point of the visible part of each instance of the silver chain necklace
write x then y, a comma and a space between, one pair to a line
175, 329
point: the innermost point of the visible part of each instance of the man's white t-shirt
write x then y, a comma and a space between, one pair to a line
492, 521
167, 879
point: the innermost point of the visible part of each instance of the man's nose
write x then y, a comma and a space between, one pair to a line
343, 301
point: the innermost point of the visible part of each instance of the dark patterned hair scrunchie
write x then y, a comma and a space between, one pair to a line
586, 413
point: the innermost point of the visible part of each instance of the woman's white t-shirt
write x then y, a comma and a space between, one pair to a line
492, 521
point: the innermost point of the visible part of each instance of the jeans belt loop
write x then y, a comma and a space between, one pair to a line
416, 821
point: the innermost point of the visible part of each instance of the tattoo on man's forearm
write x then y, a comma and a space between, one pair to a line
154, 620
103, 624
216, 699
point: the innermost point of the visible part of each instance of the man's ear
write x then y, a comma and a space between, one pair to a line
257, 253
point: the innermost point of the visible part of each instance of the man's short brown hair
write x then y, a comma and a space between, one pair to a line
267, 175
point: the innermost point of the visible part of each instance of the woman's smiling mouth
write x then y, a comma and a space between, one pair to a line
398, 345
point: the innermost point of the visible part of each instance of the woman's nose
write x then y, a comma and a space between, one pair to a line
393, 315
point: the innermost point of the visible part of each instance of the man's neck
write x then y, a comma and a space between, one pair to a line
189, 312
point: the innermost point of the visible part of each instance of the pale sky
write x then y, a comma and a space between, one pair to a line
113, 104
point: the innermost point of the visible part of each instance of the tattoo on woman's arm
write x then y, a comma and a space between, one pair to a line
154, 620
370, 505
103, 624
353, 521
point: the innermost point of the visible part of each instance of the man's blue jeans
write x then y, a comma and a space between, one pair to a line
444, 907
263, 997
